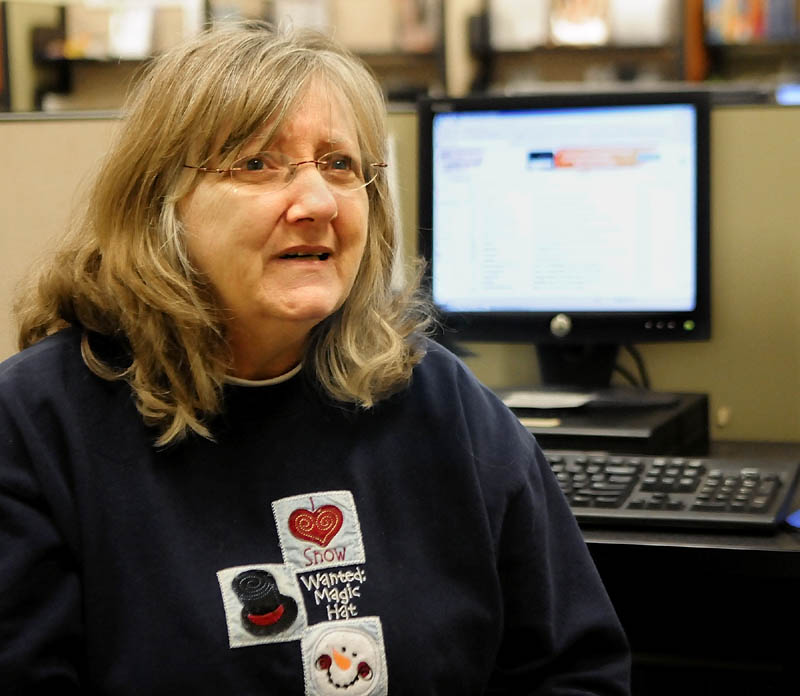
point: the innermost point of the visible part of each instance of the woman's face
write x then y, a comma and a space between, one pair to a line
281, 261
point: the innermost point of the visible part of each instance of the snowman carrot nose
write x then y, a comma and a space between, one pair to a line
341, 661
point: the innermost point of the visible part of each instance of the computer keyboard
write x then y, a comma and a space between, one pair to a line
702, 493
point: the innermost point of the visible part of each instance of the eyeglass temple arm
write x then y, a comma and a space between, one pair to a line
207, 169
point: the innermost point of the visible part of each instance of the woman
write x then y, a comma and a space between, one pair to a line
230, 461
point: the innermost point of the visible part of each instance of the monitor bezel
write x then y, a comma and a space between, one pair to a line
589, 328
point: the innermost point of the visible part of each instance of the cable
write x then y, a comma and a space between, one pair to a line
637, 358
627, 374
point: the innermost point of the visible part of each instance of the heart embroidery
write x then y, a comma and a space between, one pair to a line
318, 526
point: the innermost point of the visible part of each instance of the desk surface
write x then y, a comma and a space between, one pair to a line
703, 612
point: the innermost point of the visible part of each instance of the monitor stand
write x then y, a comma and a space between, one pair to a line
575, 376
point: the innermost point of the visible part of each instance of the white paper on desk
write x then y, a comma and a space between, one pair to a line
546, 399
518, 24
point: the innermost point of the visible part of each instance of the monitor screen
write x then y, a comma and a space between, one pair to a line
568, 219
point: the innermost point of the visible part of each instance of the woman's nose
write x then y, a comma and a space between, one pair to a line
311, 197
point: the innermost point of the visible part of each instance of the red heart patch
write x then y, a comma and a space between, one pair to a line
319, 526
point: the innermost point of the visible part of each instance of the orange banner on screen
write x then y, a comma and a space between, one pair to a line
592, 158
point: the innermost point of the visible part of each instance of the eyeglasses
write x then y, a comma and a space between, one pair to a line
274, 171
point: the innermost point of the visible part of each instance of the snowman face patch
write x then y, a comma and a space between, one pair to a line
345, 657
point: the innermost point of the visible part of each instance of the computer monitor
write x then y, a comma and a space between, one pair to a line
577, 222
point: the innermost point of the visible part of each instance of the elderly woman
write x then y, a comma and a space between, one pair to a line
230, 462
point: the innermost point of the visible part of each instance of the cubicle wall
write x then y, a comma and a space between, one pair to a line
45, 163
750, 368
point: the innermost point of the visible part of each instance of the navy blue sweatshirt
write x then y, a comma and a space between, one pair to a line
420, 547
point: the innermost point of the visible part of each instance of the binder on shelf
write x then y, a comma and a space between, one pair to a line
642, 22
130, 31
515, 25
313, 14
364, 26
579, 22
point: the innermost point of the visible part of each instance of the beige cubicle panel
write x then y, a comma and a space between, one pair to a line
46, 162
751, 366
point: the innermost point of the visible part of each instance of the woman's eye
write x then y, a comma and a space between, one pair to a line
256, 164
340, 162
249, 164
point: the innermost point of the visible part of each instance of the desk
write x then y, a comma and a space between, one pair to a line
706, 613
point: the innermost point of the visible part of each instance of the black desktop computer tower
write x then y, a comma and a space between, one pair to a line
679, 428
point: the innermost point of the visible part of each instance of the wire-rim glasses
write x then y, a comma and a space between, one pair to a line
274, 171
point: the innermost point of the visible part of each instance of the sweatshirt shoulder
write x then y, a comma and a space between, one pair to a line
446, 373
470, 426
446, 387
440, 363
53, 365
58, 350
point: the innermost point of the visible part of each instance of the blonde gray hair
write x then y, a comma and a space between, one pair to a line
123, 268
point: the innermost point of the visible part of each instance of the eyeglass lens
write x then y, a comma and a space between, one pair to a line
275, 170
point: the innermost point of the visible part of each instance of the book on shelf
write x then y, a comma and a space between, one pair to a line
750, 21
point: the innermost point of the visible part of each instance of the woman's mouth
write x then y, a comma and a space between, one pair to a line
322, 256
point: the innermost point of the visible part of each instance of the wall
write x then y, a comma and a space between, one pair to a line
47, 162
750, 368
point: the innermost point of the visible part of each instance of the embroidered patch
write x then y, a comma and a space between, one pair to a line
319, 530
332, 594
262, 604
345, 657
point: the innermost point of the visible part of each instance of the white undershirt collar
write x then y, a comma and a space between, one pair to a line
229, 379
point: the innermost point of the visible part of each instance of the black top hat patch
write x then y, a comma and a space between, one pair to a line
265, 611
